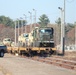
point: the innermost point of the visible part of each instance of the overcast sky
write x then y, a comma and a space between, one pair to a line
16, 8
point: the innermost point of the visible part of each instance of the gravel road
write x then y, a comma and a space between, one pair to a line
13, 65
1, 73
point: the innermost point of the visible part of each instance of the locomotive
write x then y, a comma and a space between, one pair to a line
41, 37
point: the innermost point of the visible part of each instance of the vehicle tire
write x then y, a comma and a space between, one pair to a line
1, 54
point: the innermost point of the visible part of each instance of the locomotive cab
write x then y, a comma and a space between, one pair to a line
42, 37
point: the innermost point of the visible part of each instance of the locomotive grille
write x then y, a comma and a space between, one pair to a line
46, 38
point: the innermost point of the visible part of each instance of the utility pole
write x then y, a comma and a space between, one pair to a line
21, 24
34, 25
25, 21
34, 17
31, 20
18, 27
61, 27
15, 33
64, 31
18, 30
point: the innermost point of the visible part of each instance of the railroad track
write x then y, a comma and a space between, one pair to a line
57, 61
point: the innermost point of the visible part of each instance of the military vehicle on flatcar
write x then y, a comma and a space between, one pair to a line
39, 40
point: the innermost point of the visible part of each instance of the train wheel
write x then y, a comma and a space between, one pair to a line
51, 52
30, 53
42, 54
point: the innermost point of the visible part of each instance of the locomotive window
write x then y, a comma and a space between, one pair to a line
7, 40
46, 31
42, 31
25, 35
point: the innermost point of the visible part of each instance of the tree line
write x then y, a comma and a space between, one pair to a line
7, 21
43, 21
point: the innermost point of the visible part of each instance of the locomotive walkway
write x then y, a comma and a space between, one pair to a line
13, 65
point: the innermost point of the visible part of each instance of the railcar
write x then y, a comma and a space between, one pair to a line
39, 41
